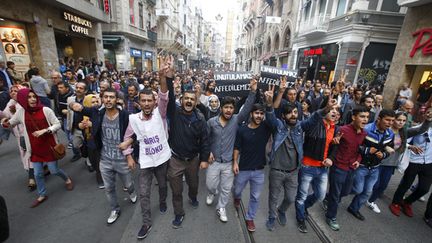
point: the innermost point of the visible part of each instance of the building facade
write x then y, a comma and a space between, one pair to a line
264, 42
43, 32
130, 37
412, 61
354, 38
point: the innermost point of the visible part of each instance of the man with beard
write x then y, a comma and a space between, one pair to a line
189, 142
93, 84
150, 129
249, 147
131, 101
61, 108
377, 145
210, 88
369, 102
315, 97
346, 159
352, 102
108, 128
74, 118
222, 131
287, 153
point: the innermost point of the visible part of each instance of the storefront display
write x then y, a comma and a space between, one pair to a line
15, 45
317, 62
136, 59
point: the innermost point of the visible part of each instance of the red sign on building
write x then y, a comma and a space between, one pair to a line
106, 6
313, 51
425, 46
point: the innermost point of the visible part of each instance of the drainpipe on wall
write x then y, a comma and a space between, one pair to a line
365, 44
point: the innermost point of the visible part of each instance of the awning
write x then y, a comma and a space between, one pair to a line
111, 39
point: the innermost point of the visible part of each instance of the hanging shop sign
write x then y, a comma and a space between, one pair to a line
425, 46
148, 55
79, 25
135, 53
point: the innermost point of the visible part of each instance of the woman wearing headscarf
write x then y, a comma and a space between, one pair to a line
40, 126
11, 107
213, 108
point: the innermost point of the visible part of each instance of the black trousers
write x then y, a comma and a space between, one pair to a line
4, 224
424, 173
94, 157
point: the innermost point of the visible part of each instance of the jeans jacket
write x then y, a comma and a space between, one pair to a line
280, 132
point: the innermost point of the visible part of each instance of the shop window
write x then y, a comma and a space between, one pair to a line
131, 12
390, 6
427, 75
322, 5
341, 7
149, 22
306, 9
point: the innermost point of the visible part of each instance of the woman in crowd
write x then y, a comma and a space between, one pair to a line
301, 96
305, 104
11, 107
40, 127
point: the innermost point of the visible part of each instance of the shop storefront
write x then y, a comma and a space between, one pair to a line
148, 60
15, 45
317, 62
412, 60
136, 59
44, 33
376, 64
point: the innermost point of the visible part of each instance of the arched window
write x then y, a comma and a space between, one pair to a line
268, 44
276, 42
287, 38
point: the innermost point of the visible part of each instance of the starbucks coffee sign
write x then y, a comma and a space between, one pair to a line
79, 25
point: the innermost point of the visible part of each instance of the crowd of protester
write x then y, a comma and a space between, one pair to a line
332, 139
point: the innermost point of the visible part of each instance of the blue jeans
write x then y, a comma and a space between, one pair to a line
340, 185
385, 174
39, 175
364, 180
256, 180
310, 176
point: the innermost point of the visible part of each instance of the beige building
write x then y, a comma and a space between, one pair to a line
412, 61
264, 42
42, 32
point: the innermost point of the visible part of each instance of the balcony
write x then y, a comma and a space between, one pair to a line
152, 35
413, 3
315, 26
152, 2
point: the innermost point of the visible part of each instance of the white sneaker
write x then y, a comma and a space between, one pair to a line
210, 198
422, 199
113, 216
373, 206
133, 197
222, 214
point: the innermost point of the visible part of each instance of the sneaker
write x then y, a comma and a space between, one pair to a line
282, 218
144, 231
357, 214
221, 212
237, 203
324, 204
395, 209
194, 202
177, 222
163, 208
250, 225
133, 197
428, 221
422, 199
301, 226
101, 186
125, 189
270, 224
75, 157
209, 199
373, 206
69, 146
333, 224
113, 216
407, 209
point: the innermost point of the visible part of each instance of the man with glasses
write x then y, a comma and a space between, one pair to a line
420, 165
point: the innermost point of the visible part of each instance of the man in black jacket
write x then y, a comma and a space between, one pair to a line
189, 142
